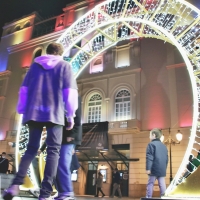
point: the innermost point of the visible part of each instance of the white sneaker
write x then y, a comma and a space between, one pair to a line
48, 198
55, 195
64, 198
12, 191
35, 193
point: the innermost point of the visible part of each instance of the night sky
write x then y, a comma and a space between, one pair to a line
15, 9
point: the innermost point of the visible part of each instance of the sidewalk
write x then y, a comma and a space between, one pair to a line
85, 197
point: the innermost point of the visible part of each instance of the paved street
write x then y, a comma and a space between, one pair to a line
78, 198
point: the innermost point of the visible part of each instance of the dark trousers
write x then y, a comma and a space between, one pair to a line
53, 141
99, 189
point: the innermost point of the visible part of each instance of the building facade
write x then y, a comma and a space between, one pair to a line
136, 85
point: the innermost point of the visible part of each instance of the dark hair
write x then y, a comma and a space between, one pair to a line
157, 132
191, 157
116, 169
3, 152
55, 49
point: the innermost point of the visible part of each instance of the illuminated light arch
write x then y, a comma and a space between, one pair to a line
174, 21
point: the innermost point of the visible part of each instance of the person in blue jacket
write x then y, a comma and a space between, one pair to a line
156, 162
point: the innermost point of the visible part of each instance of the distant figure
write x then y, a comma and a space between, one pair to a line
99, 183
47, 96
196, 161
189, 167
156, 162
4, 163
116, 183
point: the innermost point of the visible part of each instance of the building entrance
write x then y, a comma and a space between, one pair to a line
91, 182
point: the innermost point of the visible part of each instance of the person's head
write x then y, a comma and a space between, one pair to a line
99, 174
55, 49
155, 134
3, 154
191, 157
115, 170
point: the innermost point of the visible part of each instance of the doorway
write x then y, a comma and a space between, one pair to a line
91, 178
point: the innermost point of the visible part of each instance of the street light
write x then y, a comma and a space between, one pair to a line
169, 141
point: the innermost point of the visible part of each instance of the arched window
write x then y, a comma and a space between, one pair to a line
122, 105
8, 31
98, 62
27, 24
94, 108
17, 28
38, 53
97, 65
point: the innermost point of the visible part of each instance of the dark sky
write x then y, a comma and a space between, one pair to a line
14, 9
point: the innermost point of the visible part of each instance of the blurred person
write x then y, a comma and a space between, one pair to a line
47, 94
116, 183
99, 183
196, 161
4, 163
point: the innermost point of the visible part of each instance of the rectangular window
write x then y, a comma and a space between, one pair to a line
122, 111
122, 58
94, 114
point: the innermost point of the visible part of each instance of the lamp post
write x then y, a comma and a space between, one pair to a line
169, 141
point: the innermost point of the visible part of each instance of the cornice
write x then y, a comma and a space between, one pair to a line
113, 75
20, 20
16, 32
176, 66
34, 42
5, 73
74, 5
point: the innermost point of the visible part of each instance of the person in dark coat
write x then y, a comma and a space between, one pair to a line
4, 163
156, 162
116, 183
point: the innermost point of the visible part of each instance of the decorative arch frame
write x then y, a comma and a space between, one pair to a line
173, 21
